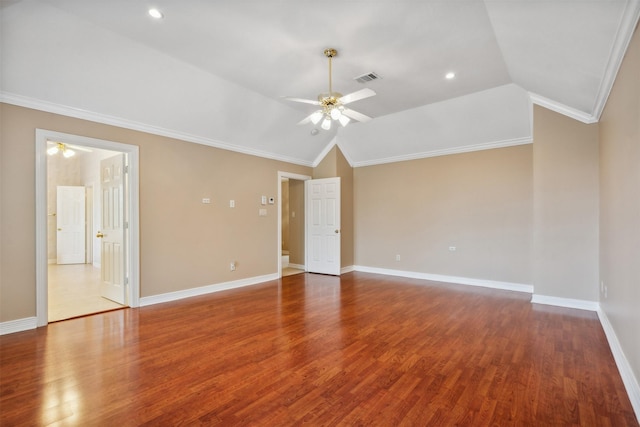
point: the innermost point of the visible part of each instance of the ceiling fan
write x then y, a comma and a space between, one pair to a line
333, 103
65, 149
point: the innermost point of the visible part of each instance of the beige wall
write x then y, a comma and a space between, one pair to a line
479, 202
184, 243
565, 182
345, 172
620, 205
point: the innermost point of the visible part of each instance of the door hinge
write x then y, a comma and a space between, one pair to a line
126, 280
126, 169
126, 225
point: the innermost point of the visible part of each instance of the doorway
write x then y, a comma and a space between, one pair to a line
74, 271
291, 224
78, 285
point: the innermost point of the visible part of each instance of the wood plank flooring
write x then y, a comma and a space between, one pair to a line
360, 349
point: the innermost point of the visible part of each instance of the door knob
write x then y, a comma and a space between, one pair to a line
99, 235
59, 229
337, 231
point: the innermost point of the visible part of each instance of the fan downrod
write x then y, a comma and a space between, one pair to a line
330, 53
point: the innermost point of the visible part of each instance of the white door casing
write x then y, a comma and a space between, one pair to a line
323, 225
131, 206
112, 228
70, 225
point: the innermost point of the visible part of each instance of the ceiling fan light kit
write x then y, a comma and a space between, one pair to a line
333, 103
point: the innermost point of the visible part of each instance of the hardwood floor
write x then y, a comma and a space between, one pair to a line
359, 349
74, 290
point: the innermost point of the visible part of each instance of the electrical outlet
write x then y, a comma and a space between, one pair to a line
206, 200
233, 266
398, 257
452, 248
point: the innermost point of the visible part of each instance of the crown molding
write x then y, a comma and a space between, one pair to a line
448, 151
324, 152
50, 107
627, 26
562, 109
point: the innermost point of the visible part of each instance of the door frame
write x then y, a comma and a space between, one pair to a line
298, 177
132, 213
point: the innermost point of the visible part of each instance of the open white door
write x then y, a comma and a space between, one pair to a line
70, 222
112, 175
323, 225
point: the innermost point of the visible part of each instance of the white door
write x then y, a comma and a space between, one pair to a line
112, 226
70, 214
323, 225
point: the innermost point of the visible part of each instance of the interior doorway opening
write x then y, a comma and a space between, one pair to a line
74, 218
291, 224
70, 249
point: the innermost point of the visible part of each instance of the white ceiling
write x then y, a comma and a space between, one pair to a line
214, 72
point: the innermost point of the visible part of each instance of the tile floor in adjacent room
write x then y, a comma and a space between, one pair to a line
74, 290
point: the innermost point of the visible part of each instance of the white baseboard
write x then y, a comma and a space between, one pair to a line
347, 269
177, 295
298, 266
565, 302
18, 325
629, 380
518, 287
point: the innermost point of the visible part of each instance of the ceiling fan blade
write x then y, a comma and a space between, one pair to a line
306, 101
357, 96
355, 115
305, 120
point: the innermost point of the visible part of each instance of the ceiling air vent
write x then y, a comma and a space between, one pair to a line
367, 77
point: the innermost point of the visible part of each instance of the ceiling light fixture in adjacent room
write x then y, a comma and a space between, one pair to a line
59, 147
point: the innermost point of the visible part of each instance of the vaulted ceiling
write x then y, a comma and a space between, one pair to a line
215, 72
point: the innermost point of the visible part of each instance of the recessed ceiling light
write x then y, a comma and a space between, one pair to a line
450, 75
155, 13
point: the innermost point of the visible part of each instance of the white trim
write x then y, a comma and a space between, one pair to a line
133, 256
447, 151
18, 325
52, 261
347, 269
494, 284
627, 26
298, 266
24, 101
580, 304
324, 152
282, 175
562, 109
203, 290
626, 372
345, 152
